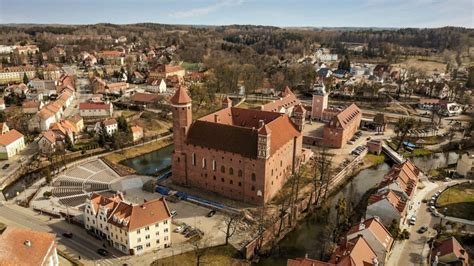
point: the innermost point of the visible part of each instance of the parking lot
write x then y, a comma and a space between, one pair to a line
188, 213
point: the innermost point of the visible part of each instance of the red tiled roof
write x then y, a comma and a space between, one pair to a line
110, 54
355, 252
31, 104
288, 99
395, 200
49, 135
306, 262
136, 129
146, 97
405, 175
10, 137
236, 130
378, 230
346, 116
14, 251
90, 106
180, 97
109, 122
451, 246
44, 113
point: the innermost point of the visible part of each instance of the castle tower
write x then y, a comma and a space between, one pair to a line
299, 115
319, 103
227, 102
182, 117
264, 134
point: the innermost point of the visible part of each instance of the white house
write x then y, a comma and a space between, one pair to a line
465, 165
111, 126
47, 142
132, 229
11, 143
388, 206
157, 86
94, 110
32, 107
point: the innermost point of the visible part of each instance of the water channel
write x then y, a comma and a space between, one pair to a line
305, 239
151, 163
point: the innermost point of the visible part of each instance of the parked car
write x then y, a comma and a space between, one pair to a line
432, 209
447, 179
350, 142
422, 229
5, 166
211, 213
412, 220
424, 200
180, 228
173, 213
67, 234
103, 252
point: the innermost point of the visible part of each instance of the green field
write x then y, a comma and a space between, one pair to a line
459, 201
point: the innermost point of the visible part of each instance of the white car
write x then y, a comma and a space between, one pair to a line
412, 220
180, 228
173, 213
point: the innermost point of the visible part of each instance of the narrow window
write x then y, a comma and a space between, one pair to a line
194, 158
239, 173
254, 177
204, 163
222, 169
213, 165
231, 171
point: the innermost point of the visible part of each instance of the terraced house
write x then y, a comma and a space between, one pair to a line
242, 154
130, 228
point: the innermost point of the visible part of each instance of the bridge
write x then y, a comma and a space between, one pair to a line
396, 157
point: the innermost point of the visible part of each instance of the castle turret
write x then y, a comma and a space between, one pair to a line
264, 134
319, 103
299, 114
182, 117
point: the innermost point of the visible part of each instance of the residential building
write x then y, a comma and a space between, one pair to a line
11, 143
27, 247
111, 58
157, 86
402, 178
46, 87
78, 122
26, 50
388, 206
137, 133
242, 154
449, 252
354, 252
32, 107
96, 110
48, 142
147, 99
16, 74
284, 105
376, 235
17, 89
342, 127
65, 129
51, 72
111, 126
163, 71
132, 229
42, 120
54, 108
428, 104
465, 166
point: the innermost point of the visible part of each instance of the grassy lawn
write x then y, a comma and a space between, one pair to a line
375, 159
459, 201
221, 255
190, 66
116, 157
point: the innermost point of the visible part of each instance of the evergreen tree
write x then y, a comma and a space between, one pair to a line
345, 64
123, 124
25, 78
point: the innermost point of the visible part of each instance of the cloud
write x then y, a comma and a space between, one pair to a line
199, 11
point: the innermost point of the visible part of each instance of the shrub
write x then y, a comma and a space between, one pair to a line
47, 194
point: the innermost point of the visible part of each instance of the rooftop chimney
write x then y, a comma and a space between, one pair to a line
216, 118
375, 261
27, 243
261, 123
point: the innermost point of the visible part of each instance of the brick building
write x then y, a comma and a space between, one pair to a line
242, 154
342, 127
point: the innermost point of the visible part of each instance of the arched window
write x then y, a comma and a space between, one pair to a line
194, 158
231, 182
239, 173
254, 177
222, 169
231, 171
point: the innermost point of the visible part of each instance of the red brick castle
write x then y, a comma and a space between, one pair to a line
242, 154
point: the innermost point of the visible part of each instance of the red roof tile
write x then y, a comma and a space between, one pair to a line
10, 137
181, 97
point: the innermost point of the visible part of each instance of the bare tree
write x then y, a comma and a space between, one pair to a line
231, 222
200, 246
322, 170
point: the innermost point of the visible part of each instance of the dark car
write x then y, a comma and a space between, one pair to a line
211, 213
5, 166
67, 235
102, 252
422, 229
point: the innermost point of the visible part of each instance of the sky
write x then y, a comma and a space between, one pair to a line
289, 13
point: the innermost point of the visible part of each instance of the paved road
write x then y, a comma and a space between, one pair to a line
81, 244
20, 160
